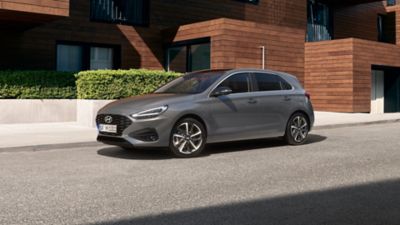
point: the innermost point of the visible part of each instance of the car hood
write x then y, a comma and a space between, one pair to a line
136, 104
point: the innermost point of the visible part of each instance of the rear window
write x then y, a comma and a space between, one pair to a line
271, 82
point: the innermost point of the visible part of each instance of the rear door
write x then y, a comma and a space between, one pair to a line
274, 96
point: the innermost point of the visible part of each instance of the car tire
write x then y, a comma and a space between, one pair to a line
297, 129
188, 138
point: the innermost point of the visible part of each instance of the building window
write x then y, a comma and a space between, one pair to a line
130, 12
387, 28
69, 57
391, 2
82, 56
101, 58
189, 56
319, 22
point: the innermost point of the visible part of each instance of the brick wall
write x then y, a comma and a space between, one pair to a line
236, 44
338, 73
50, 7
35, 47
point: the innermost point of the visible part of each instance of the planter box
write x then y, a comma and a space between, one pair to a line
37, 111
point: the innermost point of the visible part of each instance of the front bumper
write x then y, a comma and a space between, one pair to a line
136, 133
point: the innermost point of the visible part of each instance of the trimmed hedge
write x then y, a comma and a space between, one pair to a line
115, 84
37, 85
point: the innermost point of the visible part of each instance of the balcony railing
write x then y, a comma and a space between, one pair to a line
132, 12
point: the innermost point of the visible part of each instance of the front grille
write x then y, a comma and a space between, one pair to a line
122, 123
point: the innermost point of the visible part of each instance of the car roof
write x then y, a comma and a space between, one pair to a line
251, 70
255, 70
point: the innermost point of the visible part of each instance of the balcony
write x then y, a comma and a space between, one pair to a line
20, 12
120, 11
348, 2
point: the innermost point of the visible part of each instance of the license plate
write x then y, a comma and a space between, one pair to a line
108, 128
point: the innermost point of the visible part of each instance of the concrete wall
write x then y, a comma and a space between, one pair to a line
37, 111
48, 111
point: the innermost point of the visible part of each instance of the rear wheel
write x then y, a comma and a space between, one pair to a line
188, 138
297, 129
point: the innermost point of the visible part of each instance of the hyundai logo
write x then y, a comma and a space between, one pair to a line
108, 119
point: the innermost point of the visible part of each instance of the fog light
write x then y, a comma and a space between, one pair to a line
146, 135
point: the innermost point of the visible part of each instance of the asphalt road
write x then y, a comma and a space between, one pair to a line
342, 176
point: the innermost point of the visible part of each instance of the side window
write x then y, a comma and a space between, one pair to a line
270, 82
239, 83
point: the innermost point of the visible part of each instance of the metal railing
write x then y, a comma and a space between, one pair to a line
134, 12
317, 32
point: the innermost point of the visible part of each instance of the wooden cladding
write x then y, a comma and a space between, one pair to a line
237, 44
48, 7
338, 73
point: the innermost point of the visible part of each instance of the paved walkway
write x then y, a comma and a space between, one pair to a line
40, 136
329, 119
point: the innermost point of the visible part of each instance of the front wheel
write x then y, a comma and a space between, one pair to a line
188, 138
297, 129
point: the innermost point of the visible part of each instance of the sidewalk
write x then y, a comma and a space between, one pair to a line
41, 136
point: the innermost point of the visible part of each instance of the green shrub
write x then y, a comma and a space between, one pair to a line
115, 84
37, 85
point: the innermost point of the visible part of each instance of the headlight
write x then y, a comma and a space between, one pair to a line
150, 113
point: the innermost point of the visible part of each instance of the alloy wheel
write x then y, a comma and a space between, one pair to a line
187, 138
299, 129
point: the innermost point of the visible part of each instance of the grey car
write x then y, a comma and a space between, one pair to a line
208, 107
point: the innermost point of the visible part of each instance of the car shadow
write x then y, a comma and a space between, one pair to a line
220, 148
256, 144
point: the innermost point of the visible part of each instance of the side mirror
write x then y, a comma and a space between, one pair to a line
220, 91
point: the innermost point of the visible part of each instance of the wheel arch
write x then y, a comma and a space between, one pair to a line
193, 116
302, 112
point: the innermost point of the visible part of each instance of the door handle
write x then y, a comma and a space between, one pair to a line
252, 101
287, 98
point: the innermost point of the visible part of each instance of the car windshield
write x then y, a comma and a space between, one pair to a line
193, 83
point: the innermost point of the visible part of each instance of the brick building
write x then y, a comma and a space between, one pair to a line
344, 51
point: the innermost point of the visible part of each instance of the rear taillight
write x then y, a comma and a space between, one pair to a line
308, 95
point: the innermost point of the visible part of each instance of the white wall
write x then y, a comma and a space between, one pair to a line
377, 92
48, 111
37, 111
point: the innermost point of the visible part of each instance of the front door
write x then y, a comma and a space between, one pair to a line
233, 116
392, 91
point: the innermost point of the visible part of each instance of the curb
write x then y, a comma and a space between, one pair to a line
325, 127
36, 148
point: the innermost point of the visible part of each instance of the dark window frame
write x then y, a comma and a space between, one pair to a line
254, 2
86, 46
187, 44
384, 23
146, 16
391, 2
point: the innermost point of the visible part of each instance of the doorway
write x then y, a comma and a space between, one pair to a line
377, 92
385, 90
